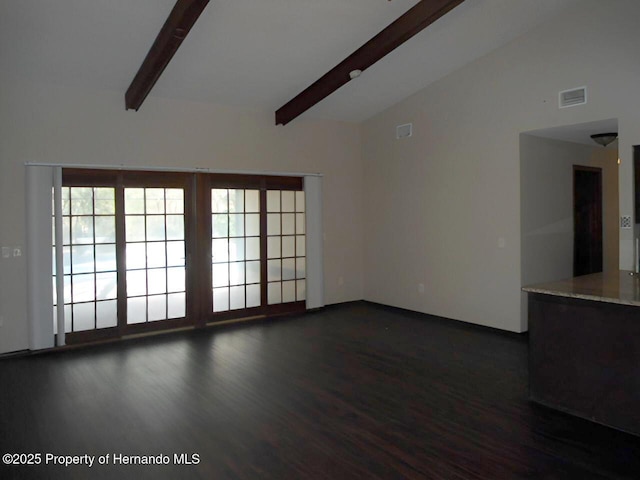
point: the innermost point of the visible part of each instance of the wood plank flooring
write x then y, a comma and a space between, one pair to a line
355, 391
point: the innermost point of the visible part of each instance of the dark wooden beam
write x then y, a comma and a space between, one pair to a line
173, 32
416, 19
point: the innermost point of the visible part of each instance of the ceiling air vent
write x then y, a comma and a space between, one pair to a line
404, 131
573, 97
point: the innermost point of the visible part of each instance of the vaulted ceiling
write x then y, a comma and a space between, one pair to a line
255, 53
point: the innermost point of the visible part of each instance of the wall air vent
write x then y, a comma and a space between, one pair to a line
573, 97
404, 131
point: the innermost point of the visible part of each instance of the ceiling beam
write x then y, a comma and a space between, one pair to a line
173, 32
416, 19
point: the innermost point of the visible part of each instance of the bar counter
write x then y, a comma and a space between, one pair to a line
584, 347
618, 286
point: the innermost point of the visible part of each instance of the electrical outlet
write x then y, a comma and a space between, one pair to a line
17, 251
340, 281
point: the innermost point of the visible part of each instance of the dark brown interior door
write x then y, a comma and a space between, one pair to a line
587, 220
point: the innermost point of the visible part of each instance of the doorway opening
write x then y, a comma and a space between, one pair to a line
547, 160
144, 251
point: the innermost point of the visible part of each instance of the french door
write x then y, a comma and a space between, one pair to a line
145, 251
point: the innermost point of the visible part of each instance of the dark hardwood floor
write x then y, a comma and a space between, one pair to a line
356, 391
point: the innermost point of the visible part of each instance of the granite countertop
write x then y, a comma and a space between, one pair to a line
617, 286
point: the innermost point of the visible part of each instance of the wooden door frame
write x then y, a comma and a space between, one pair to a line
197, 200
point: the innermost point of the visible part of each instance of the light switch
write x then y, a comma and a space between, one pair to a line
501, 242
6, 252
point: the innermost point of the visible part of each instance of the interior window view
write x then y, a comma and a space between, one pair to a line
332, 240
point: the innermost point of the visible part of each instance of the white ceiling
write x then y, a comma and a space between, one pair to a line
255, 53
579, 133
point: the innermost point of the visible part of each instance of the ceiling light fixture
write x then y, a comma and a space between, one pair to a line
604, 139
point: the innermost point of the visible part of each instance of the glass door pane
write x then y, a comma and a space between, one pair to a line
89, 256
286, 259
235, 249
155, 254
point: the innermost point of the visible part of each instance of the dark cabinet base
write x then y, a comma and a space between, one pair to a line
584, 359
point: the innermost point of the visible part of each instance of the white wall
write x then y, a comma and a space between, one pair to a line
52, 123
438, 202
546, 192
607, 159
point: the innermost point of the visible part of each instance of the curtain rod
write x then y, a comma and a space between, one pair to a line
177, 170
